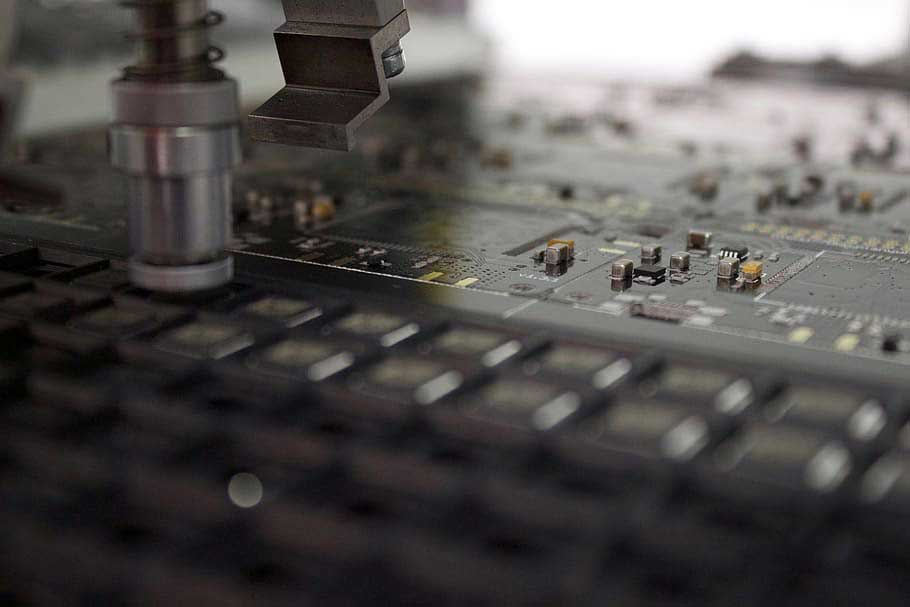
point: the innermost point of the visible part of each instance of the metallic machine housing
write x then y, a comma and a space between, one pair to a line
336, 57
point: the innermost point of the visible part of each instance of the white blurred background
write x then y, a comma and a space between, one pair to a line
70, 49
683, 39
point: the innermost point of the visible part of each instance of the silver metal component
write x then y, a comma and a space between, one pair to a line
393, 61
180, 190
176, 137
651, 253
173, 152
336, 57
679, 262
187, 44
728, 268
556, 254
179, 279
182, 221
177, 104
622, 269
172, 42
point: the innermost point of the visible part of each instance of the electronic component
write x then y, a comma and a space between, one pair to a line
287, 311
468, 342
700, 385
404, 372
524, 402
314, 359
35, 304
622, 269
843, 412
846, 196
705, 185
387, 329
894, 342
361, 323
680, 278
751, 272
206, 340
728, 268
116, 321
556, 254
764, 200
699, 241
410, 378
318, 209
651, 254
679, 262
650, 430
667, 312
571, 360
499, 158
650, 271
649, 274
788, 458
740, 252
491, 348
570, 245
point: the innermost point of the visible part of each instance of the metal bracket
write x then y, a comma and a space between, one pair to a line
332, 57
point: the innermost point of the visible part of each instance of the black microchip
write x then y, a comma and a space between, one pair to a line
653, 271
892, 343
735, 252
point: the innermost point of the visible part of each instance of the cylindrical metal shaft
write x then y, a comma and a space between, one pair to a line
172, 40
176, 137
169, 36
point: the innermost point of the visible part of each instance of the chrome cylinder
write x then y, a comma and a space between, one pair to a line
196, 211
179, 179
176, 137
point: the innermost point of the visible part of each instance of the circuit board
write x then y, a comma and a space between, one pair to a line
712, 214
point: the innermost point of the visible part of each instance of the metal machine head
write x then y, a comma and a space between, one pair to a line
336, 57
176, 124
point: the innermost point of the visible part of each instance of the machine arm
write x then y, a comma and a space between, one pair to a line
336, 57
176, 130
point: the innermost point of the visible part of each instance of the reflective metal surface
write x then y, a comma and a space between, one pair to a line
335, 60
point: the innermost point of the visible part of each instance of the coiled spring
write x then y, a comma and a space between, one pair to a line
173, 41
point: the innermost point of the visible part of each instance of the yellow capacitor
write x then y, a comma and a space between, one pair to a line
568, 243
752, 270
